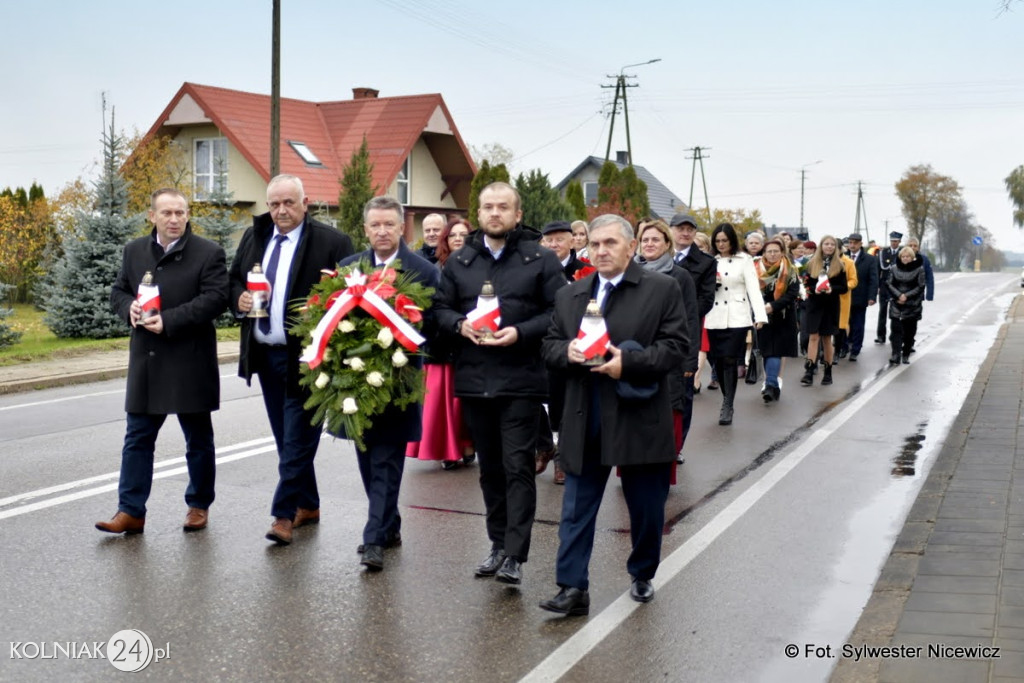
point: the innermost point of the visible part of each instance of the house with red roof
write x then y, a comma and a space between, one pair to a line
417, 153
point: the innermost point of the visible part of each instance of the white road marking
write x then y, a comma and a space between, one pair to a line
573, 650
51, 401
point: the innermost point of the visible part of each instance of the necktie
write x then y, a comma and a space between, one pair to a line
679, 257
271, 273
608, 287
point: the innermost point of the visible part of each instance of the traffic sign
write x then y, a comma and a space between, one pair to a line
976, 240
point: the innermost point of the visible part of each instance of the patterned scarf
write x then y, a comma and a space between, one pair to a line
774, 278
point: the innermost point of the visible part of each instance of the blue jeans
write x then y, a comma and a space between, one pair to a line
772, 365
136, 480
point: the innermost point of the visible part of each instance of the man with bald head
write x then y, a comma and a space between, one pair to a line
291, 248
433, 225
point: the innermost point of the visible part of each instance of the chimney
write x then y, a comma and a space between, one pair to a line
364, 93
622, 157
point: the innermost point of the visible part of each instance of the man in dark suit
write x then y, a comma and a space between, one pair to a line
618, 413
382, 463
863, 295
172, 361
703, 269
886, 257
433, 226
292, 248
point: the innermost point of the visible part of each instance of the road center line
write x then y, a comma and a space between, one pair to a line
573, 650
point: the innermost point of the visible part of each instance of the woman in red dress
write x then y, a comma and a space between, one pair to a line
445, 436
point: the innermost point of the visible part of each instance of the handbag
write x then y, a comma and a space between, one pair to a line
755, 368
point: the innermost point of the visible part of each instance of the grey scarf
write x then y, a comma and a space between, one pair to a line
662, 264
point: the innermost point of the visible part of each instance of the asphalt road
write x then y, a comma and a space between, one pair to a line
777, 532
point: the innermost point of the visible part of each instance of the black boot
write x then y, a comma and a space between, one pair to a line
809, 368
894, 359
728, 376
826, 375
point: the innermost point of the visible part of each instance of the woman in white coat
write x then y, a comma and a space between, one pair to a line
738, 307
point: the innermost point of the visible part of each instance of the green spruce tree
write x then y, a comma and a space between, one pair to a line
8, 336
217, 219
574, 197
485, 175
541, 203
356, 189
77, 295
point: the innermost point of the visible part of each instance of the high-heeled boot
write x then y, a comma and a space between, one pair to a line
826, 375
809, 368
728, 377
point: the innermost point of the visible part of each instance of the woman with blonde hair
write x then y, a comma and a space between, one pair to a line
824, 281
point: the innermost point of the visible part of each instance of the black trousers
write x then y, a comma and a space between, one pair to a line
903, 333
883, 315
504, 431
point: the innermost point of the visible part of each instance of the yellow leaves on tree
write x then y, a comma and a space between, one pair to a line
153, 164
744, 220
25, 233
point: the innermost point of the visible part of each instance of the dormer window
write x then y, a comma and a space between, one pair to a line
305, 153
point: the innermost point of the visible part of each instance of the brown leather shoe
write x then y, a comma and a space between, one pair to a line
280, 531
543, 458
123, 523
196, 519
559, 474
304, 516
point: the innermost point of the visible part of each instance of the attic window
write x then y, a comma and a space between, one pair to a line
306, 153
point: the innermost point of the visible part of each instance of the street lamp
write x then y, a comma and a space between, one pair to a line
620, 87
803, 174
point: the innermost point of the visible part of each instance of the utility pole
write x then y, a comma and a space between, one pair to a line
861, 210
699, 157
620, 91
275, 92
803, 176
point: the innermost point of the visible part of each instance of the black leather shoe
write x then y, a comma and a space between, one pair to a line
511, 571
641, 591
906, 360
571, 602
853, 356
879, 340
394, 540
492, 564
373, 558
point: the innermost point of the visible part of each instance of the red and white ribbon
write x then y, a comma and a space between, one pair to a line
593, 337
357, 295
486, 314
822, 285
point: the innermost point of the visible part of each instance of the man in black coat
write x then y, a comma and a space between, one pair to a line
886, 257
703, 269
864, 293
618, 413
500, 377
433, 226
382, 463
172, 362
292, 249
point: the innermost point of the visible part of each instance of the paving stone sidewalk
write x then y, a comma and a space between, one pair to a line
955, 577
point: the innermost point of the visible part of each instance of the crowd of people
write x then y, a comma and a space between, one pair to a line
662, 300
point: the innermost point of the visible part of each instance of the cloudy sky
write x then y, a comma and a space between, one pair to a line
868, 88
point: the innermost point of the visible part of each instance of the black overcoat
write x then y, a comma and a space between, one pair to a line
867, 279
320, 247
702, 268
647, 308
174, 371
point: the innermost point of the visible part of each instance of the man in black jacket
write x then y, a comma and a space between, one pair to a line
382, 463
172, 362
433, 226
292, 248
864, 293
618, 413
500, 376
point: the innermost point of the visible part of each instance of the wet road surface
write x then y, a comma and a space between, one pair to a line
777, 531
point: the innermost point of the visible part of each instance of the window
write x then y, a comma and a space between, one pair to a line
402, 183
590, 193
306, 153
211, 164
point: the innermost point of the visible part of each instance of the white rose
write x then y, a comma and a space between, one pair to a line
348, 406
375, 379
384, 337
356, 364
346, 326
322, 380
399, 359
